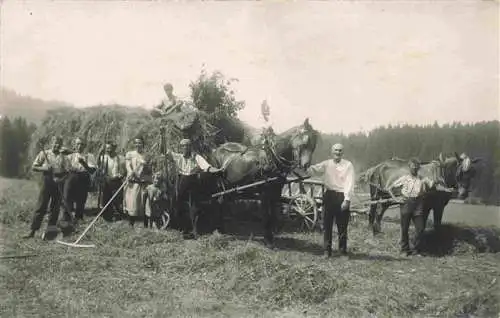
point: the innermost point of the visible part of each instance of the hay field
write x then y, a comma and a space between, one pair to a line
143, 273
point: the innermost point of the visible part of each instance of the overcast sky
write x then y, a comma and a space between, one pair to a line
346, 65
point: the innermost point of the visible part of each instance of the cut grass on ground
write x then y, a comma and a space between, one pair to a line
145, 273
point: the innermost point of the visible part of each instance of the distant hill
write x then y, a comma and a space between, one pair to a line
32, 109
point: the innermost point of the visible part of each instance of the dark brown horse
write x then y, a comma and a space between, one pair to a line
454, 172
276, 158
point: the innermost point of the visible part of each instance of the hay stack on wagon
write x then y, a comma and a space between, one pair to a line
122, 124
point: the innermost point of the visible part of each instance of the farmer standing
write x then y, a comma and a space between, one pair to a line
338, 178
413, 187
188, 165
138, 176
53, 165
114, 170
77, 185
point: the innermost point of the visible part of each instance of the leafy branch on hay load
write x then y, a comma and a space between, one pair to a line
213, 104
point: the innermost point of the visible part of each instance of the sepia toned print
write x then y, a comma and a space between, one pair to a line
249, 159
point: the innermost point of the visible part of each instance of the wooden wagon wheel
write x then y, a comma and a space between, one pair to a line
165, 220
305, 207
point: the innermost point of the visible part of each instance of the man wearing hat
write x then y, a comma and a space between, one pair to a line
189, 164
53, 165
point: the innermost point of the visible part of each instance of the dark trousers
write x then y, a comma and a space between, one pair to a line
332, 202
50, 191
109, 188
412, 209
76, 189
186, 197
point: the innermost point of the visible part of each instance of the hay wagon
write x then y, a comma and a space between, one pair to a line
303, 199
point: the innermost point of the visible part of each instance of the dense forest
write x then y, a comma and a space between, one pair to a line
426, 142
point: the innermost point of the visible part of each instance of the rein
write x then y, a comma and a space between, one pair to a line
280, 160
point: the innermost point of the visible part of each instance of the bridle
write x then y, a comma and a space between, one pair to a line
282, 162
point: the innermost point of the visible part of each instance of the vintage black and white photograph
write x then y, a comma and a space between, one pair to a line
249, 158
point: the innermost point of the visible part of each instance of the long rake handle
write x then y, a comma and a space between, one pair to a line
102, 211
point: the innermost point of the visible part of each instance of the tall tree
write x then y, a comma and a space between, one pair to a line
214, 95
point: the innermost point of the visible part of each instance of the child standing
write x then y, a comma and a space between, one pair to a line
156, 202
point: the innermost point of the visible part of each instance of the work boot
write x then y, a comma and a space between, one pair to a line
50, 234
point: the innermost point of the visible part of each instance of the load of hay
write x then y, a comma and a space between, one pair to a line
208, 118
122, 124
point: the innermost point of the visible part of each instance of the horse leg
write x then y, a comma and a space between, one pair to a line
219, 206
377, 225
269, 221
438, 216
426, 212
372, 214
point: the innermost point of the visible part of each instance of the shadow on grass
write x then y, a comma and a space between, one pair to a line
455, 239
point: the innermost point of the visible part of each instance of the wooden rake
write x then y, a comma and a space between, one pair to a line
76, 243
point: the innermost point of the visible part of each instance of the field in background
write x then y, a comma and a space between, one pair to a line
144, 273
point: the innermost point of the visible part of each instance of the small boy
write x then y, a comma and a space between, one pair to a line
155, 200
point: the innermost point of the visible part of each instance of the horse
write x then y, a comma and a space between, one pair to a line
451, 174
275, 160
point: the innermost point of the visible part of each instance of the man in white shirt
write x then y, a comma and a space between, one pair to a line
189, 164
338, 178
413, 187
113, 166
76, 187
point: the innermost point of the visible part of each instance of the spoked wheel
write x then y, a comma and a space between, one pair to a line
165, 220
304, 206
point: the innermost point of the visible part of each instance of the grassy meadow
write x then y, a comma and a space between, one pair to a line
147, 273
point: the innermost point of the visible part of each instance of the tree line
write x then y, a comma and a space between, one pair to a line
426, 142
15, 137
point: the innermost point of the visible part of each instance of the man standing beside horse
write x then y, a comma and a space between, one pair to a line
338, 178
413, 187
189, 165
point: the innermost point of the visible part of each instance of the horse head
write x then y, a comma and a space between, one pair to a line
459, 171
298, 144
